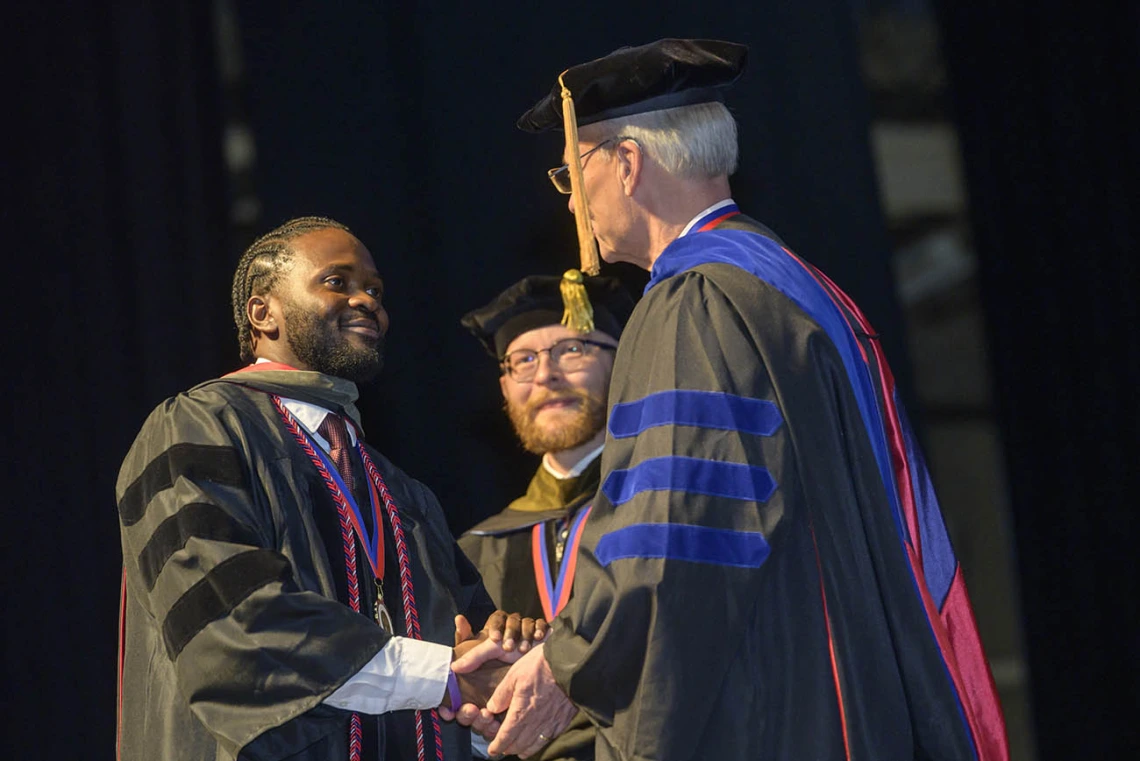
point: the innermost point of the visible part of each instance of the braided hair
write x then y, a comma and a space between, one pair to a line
262, 265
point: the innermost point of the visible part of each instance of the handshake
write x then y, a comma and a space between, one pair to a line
507, 692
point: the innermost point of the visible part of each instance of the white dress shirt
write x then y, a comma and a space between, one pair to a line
709, 210
577, 469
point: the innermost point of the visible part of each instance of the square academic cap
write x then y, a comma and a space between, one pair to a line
581, 303
665, 74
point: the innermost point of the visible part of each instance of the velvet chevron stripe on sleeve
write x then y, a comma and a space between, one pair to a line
673, 541
700, 409
914, 507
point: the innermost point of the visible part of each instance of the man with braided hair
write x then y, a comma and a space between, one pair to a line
287, 591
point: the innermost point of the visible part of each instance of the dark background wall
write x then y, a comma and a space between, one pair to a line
1050, 127
399, 122
405, 131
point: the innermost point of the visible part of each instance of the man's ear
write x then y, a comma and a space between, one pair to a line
631, 162
261, 317
503, 385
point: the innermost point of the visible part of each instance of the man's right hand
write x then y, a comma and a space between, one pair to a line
536, 708
504, 638
481, 661
476, 687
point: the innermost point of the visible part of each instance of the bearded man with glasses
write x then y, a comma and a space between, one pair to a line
555, 380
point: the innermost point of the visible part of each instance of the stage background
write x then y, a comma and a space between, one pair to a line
128, 220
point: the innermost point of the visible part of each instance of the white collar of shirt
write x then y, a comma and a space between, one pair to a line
577, 469
709, 210
310, 416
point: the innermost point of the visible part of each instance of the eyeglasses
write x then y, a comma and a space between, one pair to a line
568, 355
560, 175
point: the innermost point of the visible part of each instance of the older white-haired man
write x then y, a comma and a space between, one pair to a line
765, 572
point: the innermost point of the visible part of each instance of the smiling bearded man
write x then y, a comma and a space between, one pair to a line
287, 591
317, 344
555, 382
585, 415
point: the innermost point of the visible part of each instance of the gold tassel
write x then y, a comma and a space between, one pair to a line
587, 245
579, 313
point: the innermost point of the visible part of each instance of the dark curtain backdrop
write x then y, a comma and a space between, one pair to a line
1047, 107
399, 122
116, 272
398, 119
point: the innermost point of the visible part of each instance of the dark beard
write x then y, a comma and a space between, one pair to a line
588, 419
327, 350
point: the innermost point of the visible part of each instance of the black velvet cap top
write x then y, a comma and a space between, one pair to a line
663, 74
536, 302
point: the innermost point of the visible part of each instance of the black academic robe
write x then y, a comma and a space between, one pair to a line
233, 628
501, 547
754, 581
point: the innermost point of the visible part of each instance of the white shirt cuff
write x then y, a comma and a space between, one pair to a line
479, 746
406, 673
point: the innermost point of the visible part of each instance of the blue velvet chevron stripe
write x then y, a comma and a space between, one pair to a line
768, 261
700, 409
675, 541
692, 476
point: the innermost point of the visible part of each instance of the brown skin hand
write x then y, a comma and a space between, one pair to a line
513, 631
477, 687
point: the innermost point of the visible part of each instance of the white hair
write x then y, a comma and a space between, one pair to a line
696, 141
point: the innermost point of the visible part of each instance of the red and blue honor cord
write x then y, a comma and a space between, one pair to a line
554, 595
350, 514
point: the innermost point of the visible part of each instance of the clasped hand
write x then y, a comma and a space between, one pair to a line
526, 709
486, 656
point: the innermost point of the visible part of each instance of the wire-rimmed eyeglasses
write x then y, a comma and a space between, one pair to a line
560, 175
